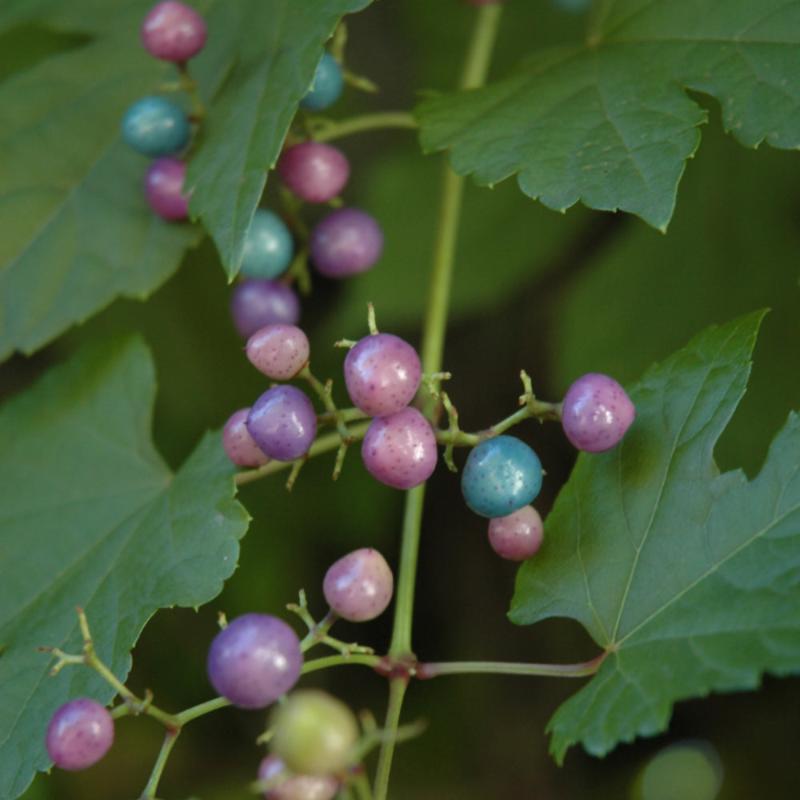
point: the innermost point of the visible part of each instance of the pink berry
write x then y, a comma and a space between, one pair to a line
80, 733
596, 413
280, 351
296, 787
517, 536
359, 586
382, 373
314, 171
173, 31
346, 242
239, 445
400, 449
164, 189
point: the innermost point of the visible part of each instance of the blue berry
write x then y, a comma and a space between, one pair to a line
268, 246
155, 127
501, 476
327, 85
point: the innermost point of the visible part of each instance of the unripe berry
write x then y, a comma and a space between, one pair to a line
359, 586
239, 445
314, 733
280, 351
400, 449
346, 242
596, 413
80, 733
314, 171
164, 189
501, 475
256, 303
154, 126
254, 660
326, 88
382, 373
296, 787
173, 31
283, 423
268, 246
517, 536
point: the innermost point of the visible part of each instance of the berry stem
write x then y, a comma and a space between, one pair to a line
325, 662
581, 670
170, 738
326, 130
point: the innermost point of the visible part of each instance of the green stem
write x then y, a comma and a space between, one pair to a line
170, 738
397, 691
328, 130
201, 709
317, 664
582, 670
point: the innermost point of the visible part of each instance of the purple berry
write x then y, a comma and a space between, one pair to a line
256, 303
283, 423
173, 31
164, 189
280, 351
254, 660
238, 443
596, 413
517, 536
382, 373
400, 449
80, 733
314, 171
359, 586
296, 787
346, 242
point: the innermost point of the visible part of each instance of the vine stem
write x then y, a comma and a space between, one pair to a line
581, 670
328, 130
475, 71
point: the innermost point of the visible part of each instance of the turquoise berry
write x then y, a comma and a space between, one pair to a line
326, 88
268, 246
501, 476
156, 127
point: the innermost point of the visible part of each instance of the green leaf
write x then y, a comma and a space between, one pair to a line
245, 128
610, 123
91, 516
688, 578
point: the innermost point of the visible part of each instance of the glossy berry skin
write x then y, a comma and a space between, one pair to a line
346, 242
596, 413
382, 373
238, 443
314, 733
164, 189
501, 475
359, 586
280, 351
517, 536
268, 246
254, 660
154, 127
326, 88
400, 449
256, 303
314, 171
173, 31
296, 787
283, 423
80, 733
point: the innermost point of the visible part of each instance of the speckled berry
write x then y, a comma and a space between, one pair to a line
596, 413
517, 536
346, 242
283, 423
501, 475
296, 787
173, 31
256, 303
327, 85
239, 445
400, 449
268, 246
314, 733
80, 733
314, 171
280, 351
164, 189
154, 126
359, 586
254, 660
382, 373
